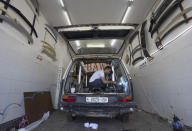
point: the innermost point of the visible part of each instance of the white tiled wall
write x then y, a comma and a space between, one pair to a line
163, 86
20, 70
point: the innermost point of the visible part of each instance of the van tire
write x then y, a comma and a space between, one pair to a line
70, 117
124, 118
73, 118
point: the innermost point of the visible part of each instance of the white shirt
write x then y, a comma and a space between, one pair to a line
97, 75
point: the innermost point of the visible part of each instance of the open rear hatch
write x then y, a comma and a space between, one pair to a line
79, 96
93, 47
96, 39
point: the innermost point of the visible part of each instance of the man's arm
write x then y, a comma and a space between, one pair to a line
107, 82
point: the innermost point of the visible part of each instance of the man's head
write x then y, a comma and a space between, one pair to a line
107, 70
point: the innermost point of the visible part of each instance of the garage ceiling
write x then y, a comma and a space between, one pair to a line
94, 11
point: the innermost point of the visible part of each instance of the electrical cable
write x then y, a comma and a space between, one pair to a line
7, 107
22, 101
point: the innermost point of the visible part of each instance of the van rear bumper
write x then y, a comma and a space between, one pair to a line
98, 110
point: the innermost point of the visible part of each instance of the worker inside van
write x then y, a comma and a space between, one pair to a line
98, 81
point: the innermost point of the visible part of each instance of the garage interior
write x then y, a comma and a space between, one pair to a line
35, 56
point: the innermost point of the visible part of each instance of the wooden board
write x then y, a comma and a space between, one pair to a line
36, 104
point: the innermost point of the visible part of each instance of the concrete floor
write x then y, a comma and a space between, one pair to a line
139, 121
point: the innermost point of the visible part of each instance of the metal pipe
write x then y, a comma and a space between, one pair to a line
86, 81
79, 78
113, 75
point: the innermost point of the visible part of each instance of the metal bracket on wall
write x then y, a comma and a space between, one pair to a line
130, 56
155, 15
33, 9
166, 15
51, 35
184, 15
136, 50
17, 11
135, 61
5, 6
175, 26
133, 36
187, 10
34, 18
17, 26
55, 33
159, 44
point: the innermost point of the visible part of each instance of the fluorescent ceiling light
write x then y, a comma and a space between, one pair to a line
124, 18
65, 13
77, 43
67, 17
62, 3
126, 15
95, 45
113, 42
120, 27
127, 11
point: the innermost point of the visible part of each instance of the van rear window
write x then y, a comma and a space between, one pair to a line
78, 79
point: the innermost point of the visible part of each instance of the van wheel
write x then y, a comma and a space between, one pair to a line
71, 117
124, 118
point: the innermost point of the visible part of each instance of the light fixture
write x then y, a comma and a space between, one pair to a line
62, 3
95, 45
126, 14
77, 43
130, 2
65, 13
67, 17
124, 18
113, 42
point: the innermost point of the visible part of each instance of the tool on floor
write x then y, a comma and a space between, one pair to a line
36, 123
177, 126
91, 125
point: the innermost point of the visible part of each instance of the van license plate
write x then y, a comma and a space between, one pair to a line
97, 99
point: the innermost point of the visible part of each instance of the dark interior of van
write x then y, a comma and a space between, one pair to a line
82, 70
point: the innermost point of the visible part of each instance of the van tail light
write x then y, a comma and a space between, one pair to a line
126, 99
69, 98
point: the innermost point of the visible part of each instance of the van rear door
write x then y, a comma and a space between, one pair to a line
98, 39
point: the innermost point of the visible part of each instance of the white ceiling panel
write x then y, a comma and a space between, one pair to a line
94, 11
